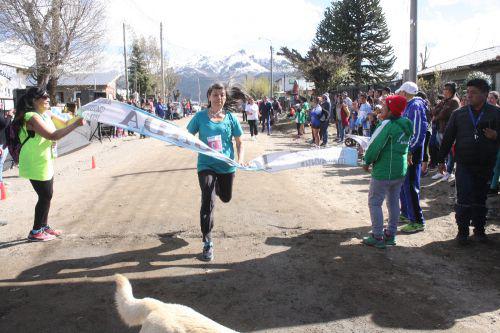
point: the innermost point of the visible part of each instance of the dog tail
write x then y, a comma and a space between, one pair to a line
133, 311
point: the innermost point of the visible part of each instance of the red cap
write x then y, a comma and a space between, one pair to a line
396, 104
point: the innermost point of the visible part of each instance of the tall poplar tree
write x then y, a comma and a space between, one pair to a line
139, 78
358, 30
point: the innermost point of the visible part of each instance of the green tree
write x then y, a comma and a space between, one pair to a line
139, 78
324, 69
257, 87
358, 29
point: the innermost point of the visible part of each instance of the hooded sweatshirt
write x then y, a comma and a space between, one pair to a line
388, 148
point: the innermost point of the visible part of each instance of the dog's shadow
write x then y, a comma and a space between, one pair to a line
320, 277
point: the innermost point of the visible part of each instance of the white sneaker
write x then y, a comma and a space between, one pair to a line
451, 178
446, 176
437, 176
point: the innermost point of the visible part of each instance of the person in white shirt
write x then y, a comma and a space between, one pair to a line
364, 110
252, 111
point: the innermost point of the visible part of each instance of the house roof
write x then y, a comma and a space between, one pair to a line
88, 79
474, 58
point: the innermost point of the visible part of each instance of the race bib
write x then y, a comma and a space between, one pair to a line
215, 142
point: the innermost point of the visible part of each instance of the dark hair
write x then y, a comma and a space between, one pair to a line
234, 95
480, 84
379, 91
421, 94
451, 86
25, 103
362, 94
387, 89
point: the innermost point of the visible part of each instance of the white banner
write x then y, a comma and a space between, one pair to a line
363, 141
128, 117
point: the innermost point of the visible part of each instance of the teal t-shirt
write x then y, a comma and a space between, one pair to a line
218, 136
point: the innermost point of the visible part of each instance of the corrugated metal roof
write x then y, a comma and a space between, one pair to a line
473, 58
88, 79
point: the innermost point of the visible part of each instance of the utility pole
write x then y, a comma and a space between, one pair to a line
125, 58
162, 69
413, 41
272, 79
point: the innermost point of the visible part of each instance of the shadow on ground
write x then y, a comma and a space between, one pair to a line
321, 276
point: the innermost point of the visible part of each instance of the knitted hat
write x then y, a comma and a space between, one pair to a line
396, 104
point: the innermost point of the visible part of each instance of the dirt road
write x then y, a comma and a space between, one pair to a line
288, 256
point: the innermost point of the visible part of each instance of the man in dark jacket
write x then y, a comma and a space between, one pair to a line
441, 115
326, 109
474, 129
266, 112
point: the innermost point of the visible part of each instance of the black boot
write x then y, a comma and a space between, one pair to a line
480, 235
463, 236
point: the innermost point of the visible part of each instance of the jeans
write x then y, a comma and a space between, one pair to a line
3, 157
472, 189
410, 191
341, 130
44, 189
323, 132
244, 116
212, 184
496, 174
379, 190
266, 122
253, 127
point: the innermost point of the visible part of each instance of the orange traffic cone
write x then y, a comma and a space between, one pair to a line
93, 162
3, 192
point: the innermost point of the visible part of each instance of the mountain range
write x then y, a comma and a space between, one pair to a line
195, 77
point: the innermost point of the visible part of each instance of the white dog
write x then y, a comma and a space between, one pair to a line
159, 317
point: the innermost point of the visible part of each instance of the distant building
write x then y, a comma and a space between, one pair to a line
285, 85
486, 61
12, 77
82, 85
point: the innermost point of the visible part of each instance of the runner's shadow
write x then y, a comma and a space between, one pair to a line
131, 261
318, 277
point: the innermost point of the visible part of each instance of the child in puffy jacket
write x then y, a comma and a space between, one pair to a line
387, 154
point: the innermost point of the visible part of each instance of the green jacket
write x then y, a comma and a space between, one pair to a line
300, 116
388, 149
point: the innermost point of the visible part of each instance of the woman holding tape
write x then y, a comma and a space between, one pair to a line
38, 134
217, 127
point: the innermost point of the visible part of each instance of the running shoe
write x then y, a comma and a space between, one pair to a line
412, 228
437, 176
404, 219
451, 178
41, 236
389, 240
208, 251
379, 243
445, 177
53, 232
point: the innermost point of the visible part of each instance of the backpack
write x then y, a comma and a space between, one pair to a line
12, 141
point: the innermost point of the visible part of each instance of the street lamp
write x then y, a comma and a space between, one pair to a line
272, 80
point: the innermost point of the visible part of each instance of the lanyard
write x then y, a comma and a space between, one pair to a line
475, 121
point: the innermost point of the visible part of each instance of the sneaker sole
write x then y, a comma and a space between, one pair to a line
40, 240
412, 231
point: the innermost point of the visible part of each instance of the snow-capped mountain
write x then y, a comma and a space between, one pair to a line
235, 67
